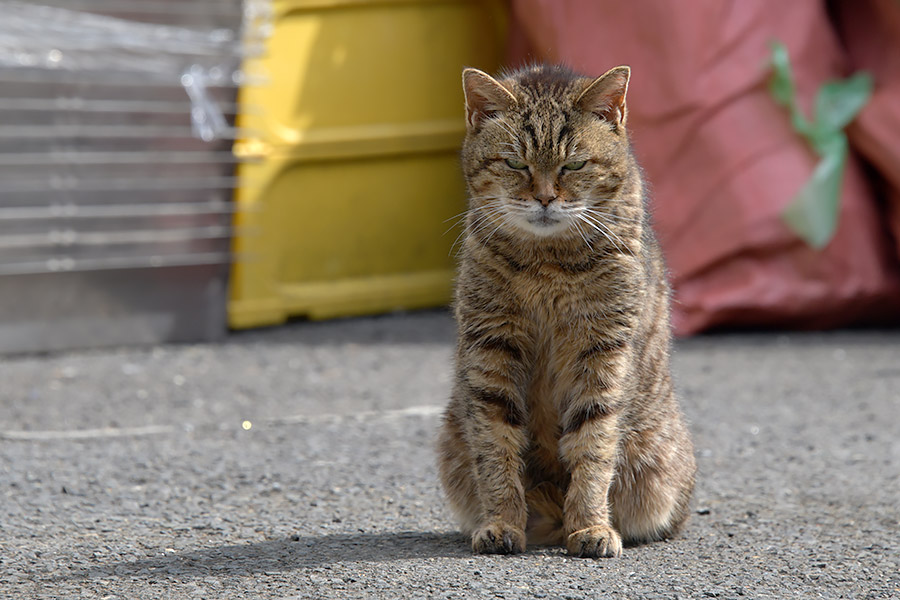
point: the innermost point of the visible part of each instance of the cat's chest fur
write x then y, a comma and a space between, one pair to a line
562, 305
544, 398
553, 306
562, 308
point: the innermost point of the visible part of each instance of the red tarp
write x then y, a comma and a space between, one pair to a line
721, 156
870, 31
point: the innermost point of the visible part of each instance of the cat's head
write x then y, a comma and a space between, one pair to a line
546, 150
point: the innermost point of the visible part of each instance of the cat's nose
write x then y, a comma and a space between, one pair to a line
544, 189
545, 198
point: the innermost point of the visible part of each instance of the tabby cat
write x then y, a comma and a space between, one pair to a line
563, 422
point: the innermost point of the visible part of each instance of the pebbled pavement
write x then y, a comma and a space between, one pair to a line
297, 463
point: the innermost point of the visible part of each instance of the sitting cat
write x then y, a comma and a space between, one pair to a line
563, 423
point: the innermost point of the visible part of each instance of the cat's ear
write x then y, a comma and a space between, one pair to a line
605, 96
484, 97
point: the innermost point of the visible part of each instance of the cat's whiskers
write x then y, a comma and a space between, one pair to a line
600, 227
608, 223
457, 218
577, 225
574, 212
608, 215
485, 221
479, 221
489, 217
506, 218
491, 197
606, 231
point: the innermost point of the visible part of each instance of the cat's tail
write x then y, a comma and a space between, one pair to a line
545, 515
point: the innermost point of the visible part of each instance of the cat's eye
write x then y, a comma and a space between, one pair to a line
515, 164
574, 166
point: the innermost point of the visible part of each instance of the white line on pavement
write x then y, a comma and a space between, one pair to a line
118, 432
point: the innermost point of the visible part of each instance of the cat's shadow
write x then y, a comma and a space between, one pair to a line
285, 555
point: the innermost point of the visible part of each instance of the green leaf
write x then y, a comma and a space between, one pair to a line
813, 212
781, 86
838, 102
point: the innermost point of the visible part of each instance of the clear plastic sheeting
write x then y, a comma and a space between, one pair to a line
47, 43
48, 37
116, 167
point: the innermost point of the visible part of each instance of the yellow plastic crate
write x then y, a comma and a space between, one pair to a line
356, 134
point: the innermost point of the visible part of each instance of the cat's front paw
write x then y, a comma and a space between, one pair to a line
599, 541
498, 538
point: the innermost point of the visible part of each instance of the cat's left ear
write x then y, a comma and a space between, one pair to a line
605, 96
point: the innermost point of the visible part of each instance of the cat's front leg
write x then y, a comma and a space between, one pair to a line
489, 379
496, 442
589, 447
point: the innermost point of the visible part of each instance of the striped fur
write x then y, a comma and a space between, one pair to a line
563, 425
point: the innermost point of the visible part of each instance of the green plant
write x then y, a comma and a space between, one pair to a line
813, 212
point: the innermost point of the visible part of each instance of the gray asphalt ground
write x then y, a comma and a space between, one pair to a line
129, 473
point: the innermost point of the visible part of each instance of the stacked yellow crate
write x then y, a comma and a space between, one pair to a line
356, 132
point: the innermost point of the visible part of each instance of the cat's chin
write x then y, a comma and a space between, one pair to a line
543, 227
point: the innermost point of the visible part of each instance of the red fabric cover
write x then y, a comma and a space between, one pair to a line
721, 157
870, 30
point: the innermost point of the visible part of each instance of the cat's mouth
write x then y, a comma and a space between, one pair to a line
545, 223
544, 219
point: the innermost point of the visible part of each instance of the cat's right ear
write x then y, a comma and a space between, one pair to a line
484, 97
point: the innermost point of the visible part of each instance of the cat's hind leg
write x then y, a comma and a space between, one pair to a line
457, 475
652, 487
